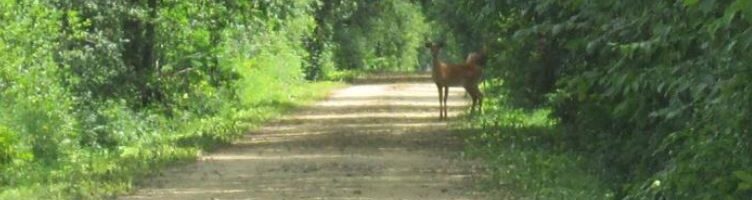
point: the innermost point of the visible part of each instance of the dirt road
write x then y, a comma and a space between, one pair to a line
379, 139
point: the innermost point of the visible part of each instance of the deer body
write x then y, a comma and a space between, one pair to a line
467, 75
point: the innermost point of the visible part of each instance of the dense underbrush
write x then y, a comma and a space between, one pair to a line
97, 94
652, 96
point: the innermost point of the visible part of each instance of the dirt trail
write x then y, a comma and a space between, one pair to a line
378, 139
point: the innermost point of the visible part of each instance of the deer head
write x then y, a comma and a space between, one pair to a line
435, 47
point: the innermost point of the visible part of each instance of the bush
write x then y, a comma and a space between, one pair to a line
94, 94
651, 93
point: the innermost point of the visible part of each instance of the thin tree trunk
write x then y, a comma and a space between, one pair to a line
149, 93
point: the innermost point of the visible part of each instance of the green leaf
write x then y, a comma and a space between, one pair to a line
744, 176
744, 187
591, 47
690, 3
707, 6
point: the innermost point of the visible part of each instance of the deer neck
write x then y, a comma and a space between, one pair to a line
436, 62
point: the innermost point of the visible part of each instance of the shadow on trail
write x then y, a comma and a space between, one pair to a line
368, 141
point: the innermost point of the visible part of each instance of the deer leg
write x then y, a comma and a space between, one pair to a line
446, 94
441, 105
472, 107
472, 98
480, 102
477, 98
475, 101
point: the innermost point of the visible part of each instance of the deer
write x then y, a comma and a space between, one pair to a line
466, 74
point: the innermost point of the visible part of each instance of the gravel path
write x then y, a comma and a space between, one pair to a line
377, 139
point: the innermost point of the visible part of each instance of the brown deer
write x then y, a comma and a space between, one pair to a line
467, 75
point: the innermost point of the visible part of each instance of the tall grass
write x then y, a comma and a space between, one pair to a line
524, 157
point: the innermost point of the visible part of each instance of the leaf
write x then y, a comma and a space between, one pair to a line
690, 3
557, 29
744, 187
730, 12
744, 176
621, 107
592, 47
707, 6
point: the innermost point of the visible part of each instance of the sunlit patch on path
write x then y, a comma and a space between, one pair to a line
379, 139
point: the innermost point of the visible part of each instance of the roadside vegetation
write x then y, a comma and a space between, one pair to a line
648, 99
584, 99
97, 94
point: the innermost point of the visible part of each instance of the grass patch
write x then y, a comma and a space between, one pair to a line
101, 173
345, 75
524, 158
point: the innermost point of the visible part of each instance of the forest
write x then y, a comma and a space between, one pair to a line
585, 99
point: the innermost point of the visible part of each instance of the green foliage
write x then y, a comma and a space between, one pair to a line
95, 94
652, 94
365, 35
523, 155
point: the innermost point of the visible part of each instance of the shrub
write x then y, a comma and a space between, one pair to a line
650, 92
